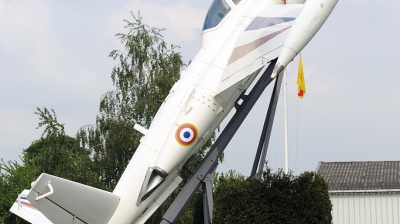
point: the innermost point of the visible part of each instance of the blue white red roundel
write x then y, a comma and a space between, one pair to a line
186, 134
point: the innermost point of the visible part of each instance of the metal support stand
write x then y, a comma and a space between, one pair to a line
266, 132
210, 161
208, 201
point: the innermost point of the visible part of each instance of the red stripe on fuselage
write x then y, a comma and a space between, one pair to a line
27, 204
245, 49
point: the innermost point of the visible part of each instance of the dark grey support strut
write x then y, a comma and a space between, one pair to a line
210, 161
266, 132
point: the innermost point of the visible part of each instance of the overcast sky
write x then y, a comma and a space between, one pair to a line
54, 54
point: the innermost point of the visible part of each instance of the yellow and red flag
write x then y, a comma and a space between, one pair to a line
300, 80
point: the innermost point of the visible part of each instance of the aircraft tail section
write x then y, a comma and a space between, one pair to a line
64, 201
26, 210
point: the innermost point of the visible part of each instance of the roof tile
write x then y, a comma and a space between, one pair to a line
369, 175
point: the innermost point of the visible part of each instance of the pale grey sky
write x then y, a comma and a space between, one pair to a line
55, 55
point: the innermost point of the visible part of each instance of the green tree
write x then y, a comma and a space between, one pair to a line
312, 200
58, 154
277, 198
54, 153
13, 179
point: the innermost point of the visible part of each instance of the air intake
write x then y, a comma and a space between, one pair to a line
154, 178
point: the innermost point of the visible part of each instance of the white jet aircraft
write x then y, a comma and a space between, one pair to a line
239, 39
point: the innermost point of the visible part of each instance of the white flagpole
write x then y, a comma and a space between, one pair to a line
285, 114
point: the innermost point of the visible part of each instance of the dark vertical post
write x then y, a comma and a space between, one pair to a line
208, 201
266, 132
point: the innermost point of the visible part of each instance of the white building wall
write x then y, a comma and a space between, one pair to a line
365, 208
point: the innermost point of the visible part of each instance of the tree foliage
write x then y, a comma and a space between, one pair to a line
54, 153
277, 198
58, 154
13, 179
147, 70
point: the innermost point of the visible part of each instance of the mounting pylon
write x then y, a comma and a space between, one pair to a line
204, 171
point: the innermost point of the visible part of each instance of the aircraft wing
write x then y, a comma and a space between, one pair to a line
259, 43
64, 201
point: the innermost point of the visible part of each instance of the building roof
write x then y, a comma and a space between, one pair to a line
361, 175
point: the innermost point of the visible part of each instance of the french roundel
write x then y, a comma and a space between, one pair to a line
186, 134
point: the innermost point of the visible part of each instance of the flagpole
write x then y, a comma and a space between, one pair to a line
285, 115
